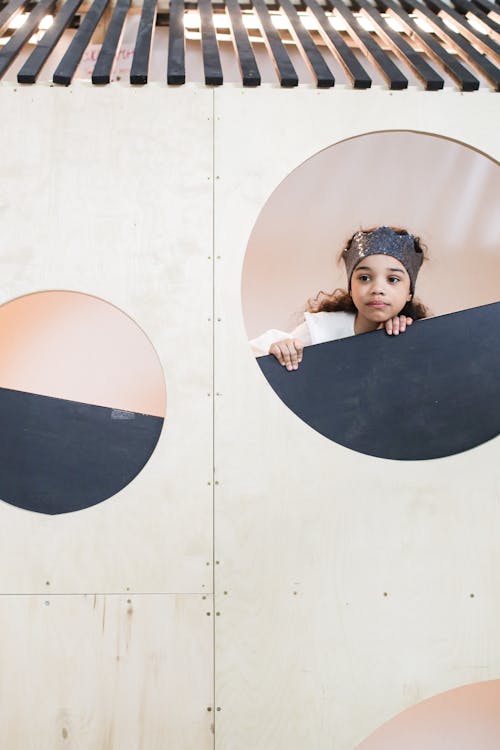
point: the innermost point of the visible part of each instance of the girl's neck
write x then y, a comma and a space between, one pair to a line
363, 325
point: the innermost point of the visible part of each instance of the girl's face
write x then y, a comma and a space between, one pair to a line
380, 288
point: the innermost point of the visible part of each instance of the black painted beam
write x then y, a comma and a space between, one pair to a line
176, 64
283, 66
144, 40
10, 11
489, 7
9, 51
433, 48
250, 74
463, 47
104, 63
312, 56
400, 47
338, 47
481, 41
69, 63
35, 62
211, 57
432, 392
362, 38
467, 7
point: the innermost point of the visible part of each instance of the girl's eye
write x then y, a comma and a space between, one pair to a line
363, 277
394, 279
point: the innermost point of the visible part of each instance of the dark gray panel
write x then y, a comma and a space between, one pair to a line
58, 456
430, 392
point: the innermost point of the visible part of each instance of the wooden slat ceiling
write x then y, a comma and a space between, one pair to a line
428, 43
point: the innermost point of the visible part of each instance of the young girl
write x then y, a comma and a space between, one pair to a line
382, 266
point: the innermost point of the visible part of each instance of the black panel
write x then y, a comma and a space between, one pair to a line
176, 65
33, 65
142, 52
433, 391
58, 456
104, 63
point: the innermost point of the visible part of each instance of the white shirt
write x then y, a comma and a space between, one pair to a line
316, 329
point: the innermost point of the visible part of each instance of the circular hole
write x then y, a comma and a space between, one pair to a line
82, 401
427, 392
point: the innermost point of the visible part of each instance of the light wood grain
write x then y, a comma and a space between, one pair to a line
110, 195
105, 672
348, 578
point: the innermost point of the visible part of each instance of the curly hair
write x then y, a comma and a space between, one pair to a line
340, 300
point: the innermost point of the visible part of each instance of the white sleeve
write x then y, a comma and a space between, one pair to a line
261, 344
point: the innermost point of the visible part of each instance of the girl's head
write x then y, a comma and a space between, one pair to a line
389, 241
382, 266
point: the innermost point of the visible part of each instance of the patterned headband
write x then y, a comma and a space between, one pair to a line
384, 241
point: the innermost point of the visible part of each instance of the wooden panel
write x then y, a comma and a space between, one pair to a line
133, 238
348, 389
128, 672
310, 652
59, 456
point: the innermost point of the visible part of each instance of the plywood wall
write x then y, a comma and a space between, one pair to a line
316, 590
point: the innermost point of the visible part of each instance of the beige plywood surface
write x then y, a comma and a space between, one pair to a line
349, 587
105, 672
109, 192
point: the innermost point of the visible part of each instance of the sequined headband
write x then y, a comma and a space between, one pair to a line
384, 241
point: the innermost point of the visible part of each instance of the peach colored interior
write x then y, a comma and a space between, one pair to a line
443, 191
467, 718
74, 346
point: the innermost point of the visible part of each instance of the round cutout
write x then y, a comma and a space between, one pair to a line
432, 391
82, 401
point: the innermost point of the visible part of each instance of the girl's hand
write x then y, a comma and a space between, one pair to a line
396, 325
288, 352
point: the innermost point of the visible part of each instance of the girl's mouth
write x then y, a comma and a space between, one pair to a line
377, 303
